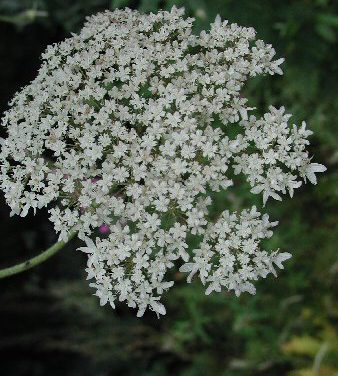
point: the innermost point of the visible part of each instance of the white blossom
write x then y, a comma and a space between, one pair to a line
127, 126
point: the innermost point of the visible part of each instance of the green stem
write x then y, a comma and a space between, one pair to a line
45, 255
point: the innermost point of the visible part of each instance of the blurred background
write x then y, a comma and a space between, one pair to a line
50, 324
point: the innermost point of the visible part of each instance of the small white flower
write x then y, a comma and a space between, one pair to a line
311, 169
281, 257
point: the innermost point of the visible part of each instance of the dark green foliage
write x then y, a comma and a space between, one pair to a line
51, 325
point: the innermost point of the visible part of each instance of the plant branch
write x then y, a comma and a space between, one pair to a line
34, 261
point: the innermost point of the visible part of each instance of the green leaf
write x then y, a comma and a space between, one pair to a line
304, 345
149, 5
328, 19
119, 3
326, 32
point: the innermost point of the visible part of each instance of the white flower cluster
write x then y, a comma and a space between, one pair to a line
126, 127
277, 155
229, 253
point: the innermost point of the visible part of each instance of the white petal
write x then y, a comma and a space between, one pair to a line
218, 20
281, 257
158, 307
186, 267
311, 169
257, 189
244, 113
276, 196
317, 167
141, 311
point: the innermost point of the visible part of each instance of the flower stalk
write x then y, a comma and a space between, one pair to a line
37, 260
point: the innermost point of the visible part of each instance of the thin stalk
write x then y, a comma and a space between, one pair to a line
34, 261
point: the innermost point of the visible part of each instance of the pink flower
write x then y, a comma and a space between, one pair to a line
95, 180
104, 229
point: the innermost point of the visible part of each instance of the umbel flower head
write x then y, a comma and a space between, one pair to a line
127, 128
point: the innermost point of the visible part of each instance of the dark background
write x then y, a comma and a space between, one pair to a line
50, 324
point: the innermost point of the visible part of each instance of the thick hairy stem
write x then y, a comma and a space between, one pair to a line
19, 268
